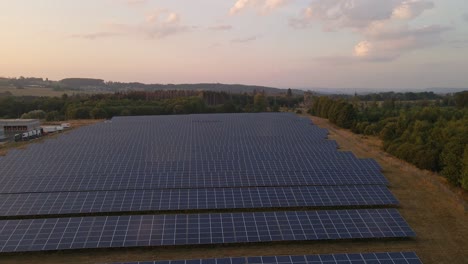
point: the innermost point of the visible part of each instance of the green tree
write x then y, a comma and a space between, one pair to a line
389, 132
35, 114
53, 116
461, 99
464, 174
451, 159
260, 103
98, 113
347, 116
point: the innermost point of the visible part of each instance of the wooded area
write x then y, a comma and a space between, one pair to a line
140, 103
432, 135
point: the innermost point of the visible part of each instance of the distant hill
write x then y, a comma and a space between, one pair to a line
445, 90
216, 87
82, 82
364, 91
87, 83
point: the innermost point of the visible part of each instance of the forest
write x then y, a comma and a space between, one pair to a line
431, 134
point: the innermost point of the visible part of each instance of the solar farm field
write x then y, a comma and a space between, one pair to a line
228, 184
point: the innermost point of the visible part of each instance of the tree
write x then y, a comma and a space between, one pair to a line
451, 159
389, 132
54, 116
98, 113
347, 116
275, 107
464, 174
461, 99
35, 114
260, 103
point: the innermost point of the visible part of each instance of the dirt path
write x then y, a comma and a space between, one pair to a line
433, 211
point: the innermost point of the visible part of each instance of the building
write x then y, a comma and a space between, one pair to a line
2, 134
13, 126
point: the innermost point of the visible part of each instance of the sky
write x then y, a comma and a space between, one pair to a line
372, 44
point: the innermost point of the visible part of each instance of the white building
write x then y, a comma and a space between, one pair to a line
13, 126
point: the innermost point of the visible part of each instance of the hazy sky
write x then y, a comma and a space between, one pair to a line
281, 43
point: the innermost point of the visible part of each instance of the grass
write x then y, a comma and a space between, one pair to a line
434, 210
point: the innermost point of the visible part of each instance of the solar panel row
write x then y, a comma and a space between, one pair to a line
253, 165
361, 258
338, 158
196, 229
192, 199
122, 179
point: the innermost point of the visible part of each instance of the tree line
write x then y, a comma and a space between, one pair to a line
431, 135
102, 106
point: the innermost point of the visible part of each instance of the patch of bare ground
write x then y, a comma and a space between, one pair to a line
432, 209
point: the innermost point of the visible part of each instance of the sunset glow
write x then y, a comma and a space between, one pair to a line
282, 43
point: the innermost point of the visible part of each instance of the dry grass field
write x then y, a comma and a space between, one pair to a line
434, 210
41, 92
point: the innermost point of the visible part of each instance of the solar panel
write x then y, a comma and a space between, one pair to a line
361, 258
192, 199
195, 229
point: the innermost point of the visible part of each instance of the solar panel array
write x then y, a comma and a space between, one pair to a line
362, 258
198, 229
193, 151
165, 165
193, 199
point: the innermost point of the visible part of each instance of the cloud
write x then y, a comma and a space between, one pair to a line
96, 35
382, 26
362, 49
390, 44
156, 25
136, 2
173, 18
465, 17
358, 14
265, 6
162, 16
387, 32
337, 14
271, 5
411, 9
133, 3
221, 28
239, 5
244, 40
161, 24
459, 43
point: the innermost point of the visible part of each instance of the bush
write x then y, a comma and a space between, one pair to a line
35, 114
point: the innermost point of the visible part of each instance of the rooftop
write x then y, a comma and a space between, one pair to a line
18, 120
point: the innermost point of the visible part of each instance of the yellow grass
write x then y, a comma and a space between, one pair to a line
45, 92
